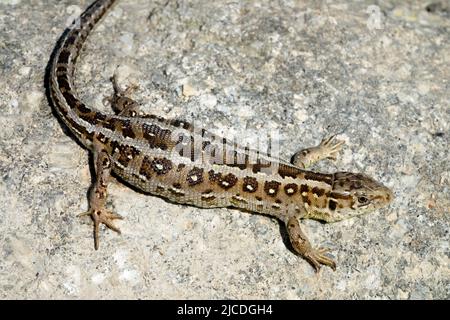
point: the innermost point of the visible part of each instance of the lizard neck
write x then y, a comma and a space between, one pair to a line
80, 118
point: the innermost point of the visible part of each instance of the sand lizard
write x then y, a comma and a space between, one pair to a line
170, 159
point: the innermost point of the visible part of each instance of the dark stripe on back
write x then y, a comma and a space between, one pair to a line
64, 56
321, 177
288, 171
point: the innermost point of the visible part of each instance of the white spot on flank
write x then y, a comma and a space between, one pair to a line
225, 184
290, 190
249, 187
160, 189
271, 191
194, 178
304, 194
177, 191
159, 166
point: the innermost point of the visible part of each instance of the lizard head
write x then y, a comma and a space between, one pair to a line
354, 194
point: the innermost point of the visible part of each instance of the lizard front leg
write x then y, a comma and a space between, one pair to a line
120, 102
301, 245
327, 149
98, 193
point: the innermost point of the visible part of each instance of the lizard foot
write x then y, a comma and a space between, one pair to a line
331, 146
102, 216
120, 102
327, 149
301, 245
317, 257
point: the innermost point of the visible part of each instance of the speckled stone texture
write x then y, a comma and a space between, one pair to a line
377, 75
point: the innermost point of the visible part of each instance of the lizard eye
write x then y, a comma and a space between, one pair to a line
363, 199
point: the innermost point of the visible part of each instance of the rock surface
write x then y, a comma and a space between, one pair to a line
377, 75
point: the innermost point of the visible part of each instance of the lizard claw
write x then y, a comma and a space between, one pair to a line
328, 148
102, 216
331, 146
317, 257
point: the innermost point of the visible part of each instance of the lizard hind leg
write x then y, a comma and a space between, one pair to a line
327, 149
120, 101
98, 192
301, 245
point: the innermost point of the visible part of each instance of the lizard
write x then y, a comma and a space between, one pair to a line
173, 160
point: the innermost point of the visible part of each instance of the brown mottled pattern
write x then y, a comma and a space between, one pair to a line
127, 153
146, 167
195, 176
304, 188
214, 176
127, 129
228, 181
332, 204
161, 165
290, 189
156, 136
250, 184
318, 191
271, 187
